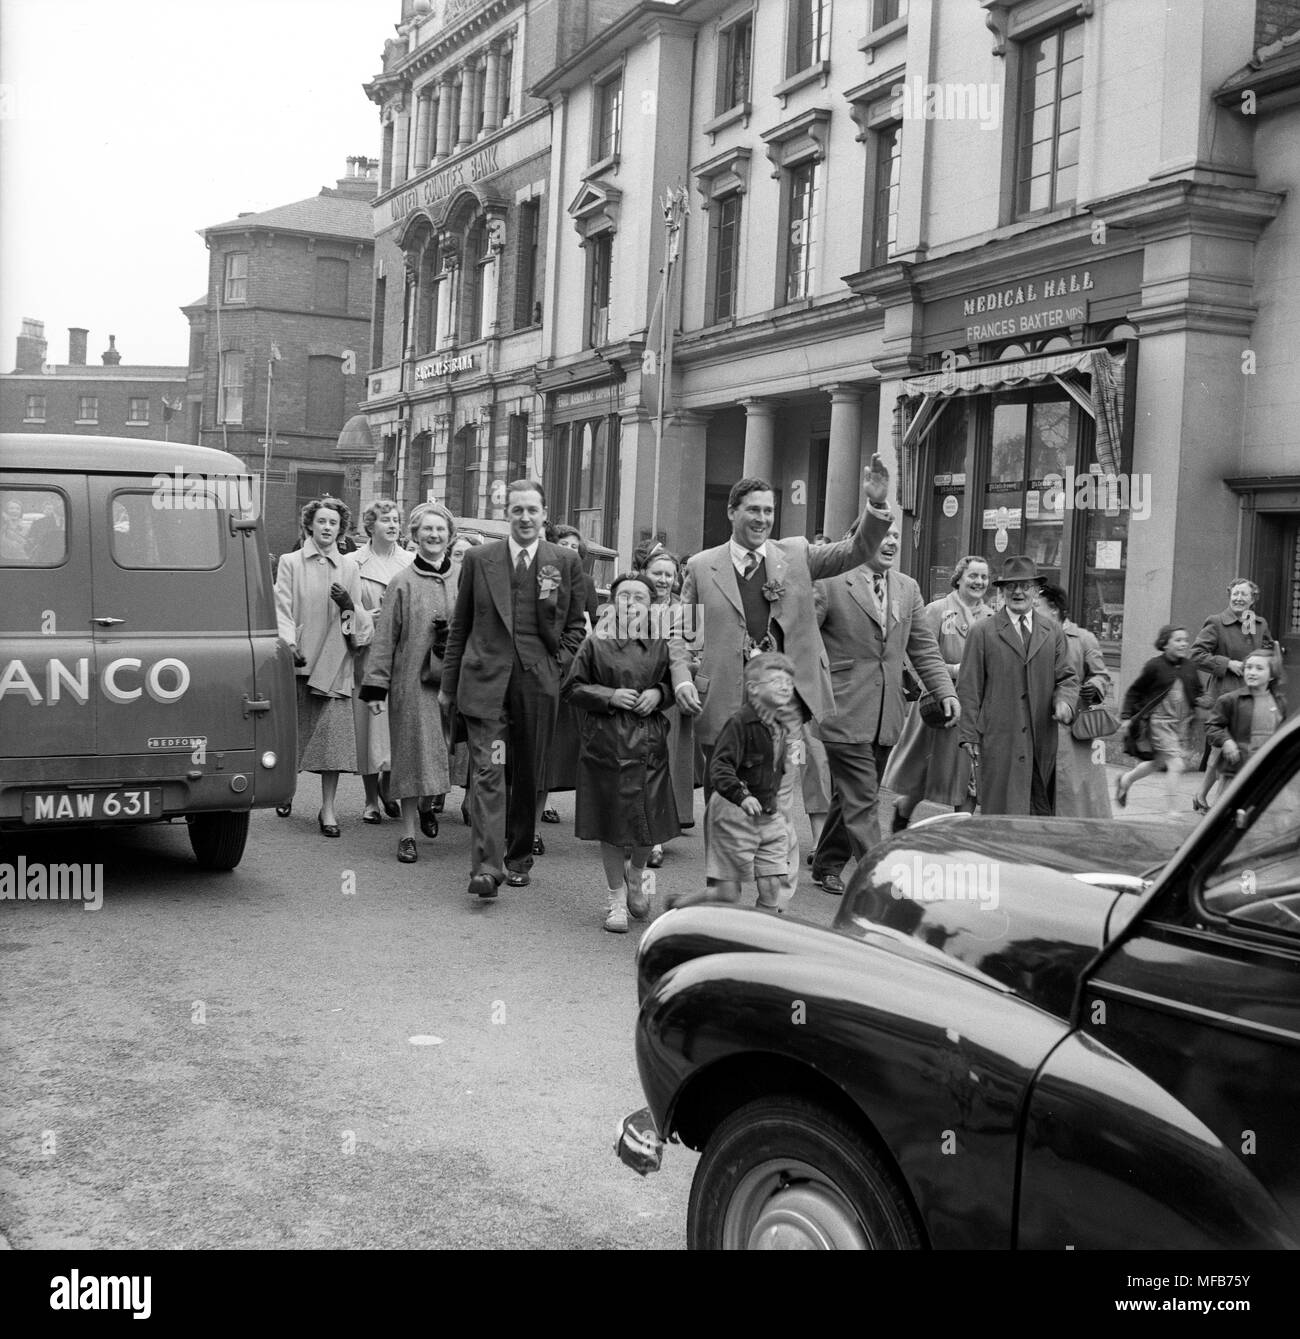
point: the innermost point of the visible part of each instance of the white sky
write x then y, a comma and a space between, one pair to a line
128, 125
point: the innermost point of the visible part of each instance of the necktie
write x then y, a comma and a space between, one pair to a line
521, 567
878, 582
1022, 626
751, 564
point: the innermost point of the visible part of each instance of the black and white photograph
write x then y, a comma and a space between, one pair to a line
650, 625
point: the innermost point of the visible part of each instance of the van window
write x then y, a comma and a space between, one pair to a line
33, 528
147, 535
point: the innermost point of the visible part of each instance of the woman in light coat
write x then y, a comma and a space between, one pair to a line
380, 560
414, 622
927, 764
1081, 786
320, 616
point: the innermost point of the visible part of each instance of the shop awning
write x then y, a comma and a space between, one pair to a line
924, 397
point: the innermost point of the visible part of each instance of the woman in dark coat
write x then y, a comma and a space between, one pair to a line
618, 684
1164, 698
1221, 648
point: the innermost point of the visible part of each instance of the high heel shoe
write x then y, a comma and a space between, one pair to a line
1199, 805
329, 829
428, 823
285, 809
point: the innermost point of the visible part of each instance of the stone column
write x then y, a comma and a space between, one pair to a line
476, 112
401, 146
423, 110
442, 145
682, 479
842, 483
464, 131
492, 90
760, 438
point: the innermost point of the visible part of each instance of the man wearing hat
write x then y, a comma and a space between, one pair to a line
1015, 684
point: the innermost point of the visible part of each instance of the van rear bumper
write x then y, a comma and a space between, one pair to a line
227, 780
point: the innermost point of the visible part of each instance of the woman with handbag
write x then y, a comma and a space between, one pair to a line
1244, 720
405, 667
1159, 708
1221, 648
380, 559
1081, 787
926, 763
320, 617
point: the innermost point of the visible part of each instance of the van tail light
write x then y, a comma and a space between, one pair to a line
269, 759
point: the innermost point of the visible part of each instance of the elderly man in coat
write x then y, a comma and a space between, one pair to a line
1016, 681
870, 619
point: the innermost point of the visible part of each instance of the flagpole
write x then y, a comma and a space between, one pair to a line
675, 210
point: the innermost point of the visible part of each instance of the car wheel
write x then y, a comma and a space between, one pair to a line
218, 839
783, 1174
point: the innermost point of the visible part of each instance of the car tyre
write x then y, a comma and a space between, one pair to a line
782, 1173
218, 839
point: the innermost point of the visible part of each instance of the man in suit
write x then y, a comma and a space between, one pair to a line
753, 594
870, 619
517, 623
1015, 683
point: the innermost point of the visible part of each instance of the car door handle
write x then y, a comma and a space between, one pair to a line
108, 622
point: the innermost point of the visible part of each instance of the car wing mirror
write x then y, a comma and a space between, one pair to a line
1243, 818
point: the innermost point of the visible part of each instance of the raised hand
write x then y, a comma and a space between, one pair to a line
875, 482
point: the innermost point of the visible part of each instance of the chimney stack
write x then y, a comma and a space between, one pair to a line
110, 355
77, 345
31, 347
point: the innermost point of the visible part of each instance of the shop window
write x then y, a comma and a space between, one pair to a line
1050, 99
724, 247
463, 472
801, 202
87, 409
582, 477
949, 514
735, 44
236, 284
517, 447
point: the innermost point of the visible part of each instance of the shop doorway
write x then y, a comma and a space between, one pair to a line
1275, 568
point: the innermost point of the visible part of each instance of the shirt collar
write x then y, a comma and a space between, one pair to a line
516, 549
309, 550
739, 553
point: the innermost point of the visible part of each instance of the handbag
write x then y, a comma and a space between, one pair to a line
1093, 723
930, 705
431, 670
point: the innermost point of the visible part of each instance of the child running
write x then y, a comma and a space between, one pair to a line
1244, 720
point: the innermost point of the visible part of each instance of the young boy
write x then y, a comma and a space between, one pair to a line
747, 822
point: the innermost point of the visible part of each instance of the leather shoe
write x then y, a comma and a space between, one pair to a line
371, 816
828, 882
329, 829
406, 851
428, 822
517, 878
439, 803
483, 885
550, 816
656, 857
285, 809
539, 846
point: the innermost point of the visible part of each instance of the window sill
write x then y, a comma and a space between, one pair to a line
138, 423
820, 70
740, 112
86, 422
601, 166
878, 37
33, 420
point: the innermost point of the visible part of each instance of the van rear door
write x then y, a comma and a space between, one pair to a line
173, 656
48, 697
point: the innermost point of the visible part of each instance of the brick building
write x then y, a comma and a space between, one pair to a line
462, 225
107, 399
282, 334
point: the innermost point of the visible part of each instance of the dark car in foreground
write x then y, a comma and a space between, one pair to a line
1019, 1033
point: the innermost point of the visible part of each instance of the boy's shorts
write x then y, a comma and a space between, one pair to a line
743, 848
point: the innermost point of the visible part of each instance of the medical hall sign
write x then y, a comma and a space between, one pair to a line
1028, 306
